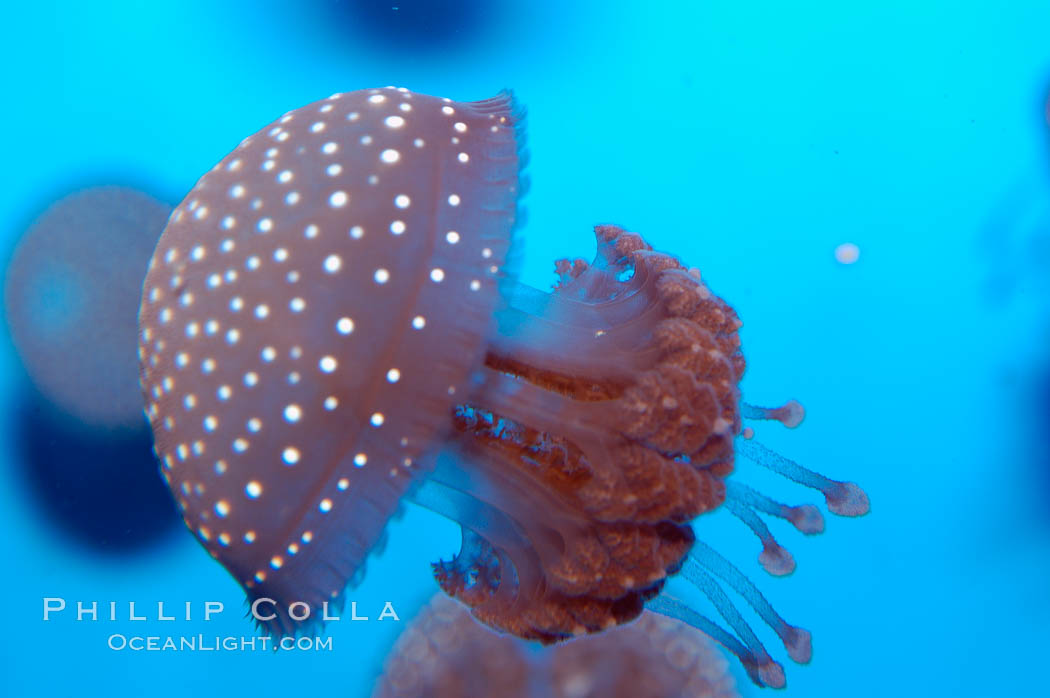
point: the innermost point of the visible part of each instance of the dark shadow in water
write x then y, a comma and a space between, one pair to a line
418, 27
99, 487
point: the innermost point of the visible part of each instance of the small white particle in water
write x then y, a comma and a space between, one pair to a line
847, 253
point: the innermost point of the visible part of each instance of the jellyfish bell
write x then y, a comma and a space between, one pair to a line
312, 314
444, 652
70, 297
328, 310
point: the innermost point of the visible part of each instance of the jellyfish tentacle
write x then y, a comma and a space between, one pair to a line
806, 518
771, 674
843, 498
774, 558
484, 523
761, 668
797, 641
790, 414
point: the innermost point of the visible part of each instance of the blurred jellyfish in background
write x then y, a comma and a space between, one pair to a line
70, 300
446, 653
434, 27
1015, 241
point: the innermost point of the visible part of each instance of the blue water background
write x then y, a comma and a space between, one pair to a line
748, 138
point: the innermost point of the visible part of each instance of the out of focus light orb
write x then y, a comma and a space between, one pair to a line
71, 297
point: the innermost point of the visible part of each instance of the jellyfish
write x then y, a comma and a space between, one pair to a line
445, 652
328, 328
71, 292
70, 300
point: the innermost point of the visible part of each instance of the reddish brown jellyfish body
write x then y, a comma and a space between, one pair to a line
445, 653
311, 315
328, 312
